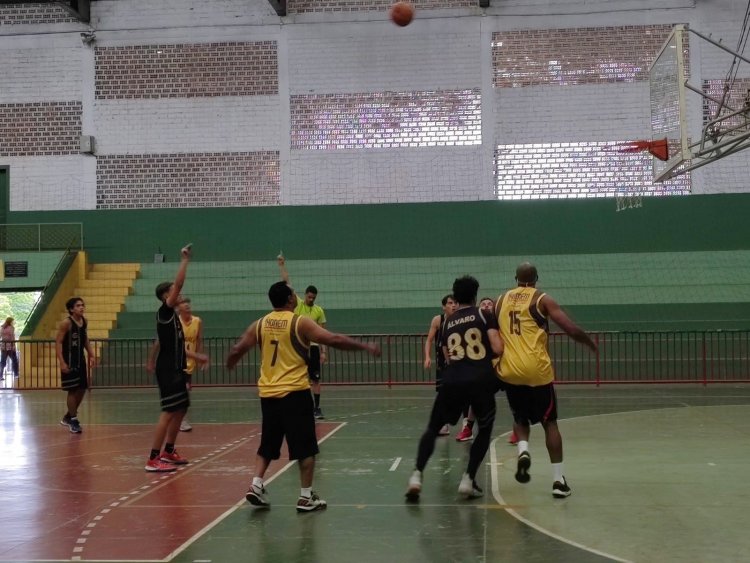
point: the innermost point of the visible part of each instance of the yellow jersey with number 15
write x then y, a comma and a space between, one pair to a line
524, 330
284, 353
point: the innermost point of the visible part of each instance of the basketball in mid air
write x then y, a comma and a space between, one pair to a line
402, 13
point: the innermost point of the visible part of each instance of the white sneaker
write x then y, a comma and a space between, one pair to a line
311, 503
415, 486
445, 430
257, 495
185, 426
469, 488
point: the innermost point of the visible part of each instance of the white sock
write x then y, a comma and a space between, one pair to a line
557, 472
258, 482
466, 422
305, 492
523, 446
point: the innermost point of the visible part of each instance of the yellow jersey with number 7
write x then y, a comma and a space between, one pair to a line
524, 330
283, 353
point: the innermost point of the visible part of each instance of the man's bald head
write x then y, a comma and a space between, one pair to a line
526, 274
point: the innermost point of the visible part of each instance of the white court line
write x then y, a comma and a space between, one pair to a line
395, 464
242, 502
499, 498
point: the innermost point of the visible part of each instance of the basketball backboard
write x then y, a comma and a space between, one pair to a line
668, 109
726, 114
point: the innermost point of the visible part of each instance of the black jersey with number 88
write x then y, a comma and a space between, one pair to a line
464, 335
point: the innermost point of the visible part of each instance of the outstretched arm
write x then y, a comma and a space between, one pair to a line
555, 312
245, 343
315, 333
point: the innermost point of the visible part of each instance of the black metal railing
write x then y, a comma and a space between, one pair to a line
622, 357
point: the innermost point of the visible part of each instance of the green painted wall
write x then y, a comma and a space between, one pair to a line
41, 267
676, 263
717, 222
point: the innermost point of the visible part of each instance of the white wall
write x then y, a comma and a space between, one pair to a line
344, 54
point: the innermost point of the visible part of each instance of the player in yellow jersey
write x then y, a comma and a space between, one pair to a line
307, 308
523, 314
192, 328
286, 404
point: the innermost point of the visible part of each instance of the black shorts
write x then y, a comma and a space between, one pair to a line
530, 405
313, 364
456, 393
291, 417
173, 392
76, 378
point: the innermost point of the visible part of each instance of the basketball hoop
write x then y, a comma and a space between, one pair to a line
659, 148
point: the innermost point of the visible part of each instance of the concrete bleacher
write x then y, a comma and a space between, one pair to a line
634, 291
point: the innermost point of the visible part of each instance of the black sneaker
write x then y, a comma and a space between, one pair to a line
65, 421
75, 426
257, 496
560, 489
318, 414
522, 468
305, 504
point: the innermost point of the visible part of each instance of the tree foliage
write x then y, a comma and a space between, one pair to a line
17, 305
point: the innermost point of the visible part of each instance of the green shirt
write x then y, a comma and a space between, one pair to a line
315, 312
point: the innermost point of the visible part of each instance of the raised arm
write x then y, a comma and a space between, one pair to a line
315, 333
281, 261
179, 280
555, 312
431, 333
247, 341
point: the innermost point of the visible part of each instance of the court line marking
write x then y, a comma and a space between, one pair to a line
495, 476
240, 503
396, 462
142, 491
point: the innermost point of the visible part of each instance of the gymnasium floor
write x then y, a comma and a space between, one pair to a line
658, 474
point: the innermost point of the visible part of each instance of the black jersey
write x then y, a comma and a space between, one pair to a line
73, 345
464, 334
171, 356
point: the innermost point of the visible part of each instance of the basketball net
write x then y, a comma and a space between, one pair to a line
658, 149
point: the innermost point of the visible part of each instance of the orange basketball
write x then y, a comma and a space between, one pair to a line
402, 13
